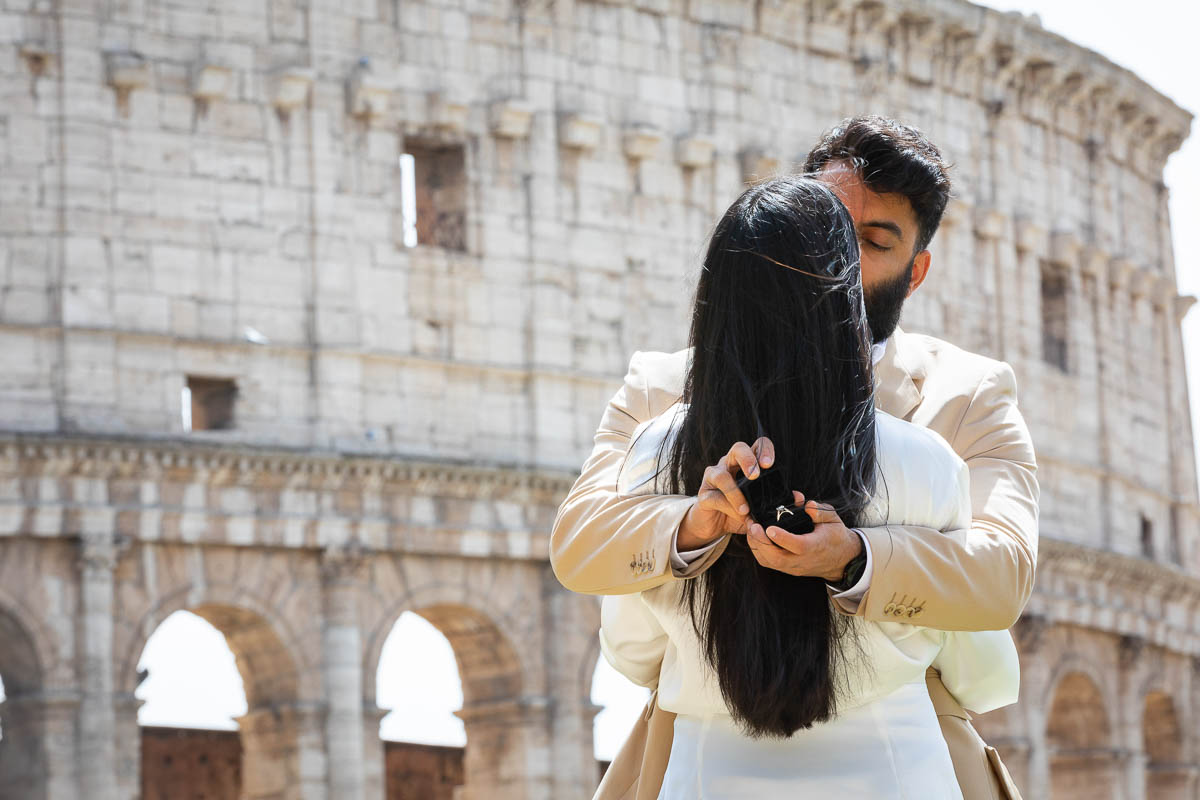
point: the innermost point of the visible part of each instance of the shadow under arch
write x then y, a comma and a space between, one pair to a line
1079, 739
281, 710
23, 767
1168, 776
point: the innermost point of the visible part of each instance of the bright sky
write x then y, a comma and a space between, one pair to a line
194, 682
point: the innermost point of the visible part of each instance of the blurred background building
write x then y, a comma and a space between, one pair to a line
308, 311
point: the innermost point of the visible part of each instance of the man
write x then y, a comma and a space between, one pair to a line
894, 183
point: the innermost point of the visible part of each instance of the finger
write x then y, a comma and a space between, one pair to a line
821, 513
798, 497
714, 500
765, 449
722, 480
742, 457
765, 552
788, 541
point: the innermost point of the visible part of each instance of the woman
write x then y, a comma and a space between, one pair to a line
777, 695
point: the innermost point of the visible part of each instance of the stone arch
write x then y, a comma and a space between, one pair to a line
1079, 739
282, 691
20, 662
260, 637
43, 640
481, 639
22, 746
1167, 777
503, 725
1076, 664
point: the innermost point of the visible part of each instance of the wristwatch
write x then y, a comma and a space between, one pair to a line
854, 568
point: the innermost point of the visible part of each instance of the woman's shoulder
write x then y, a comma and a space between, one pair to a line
896, 435
922, 481
650, 439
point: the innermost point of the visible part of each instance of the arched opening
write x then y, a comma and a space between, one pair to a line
496, 725
192, 696
23, 768
418, 684
620, 701
1079, 741
1167, 777
221, 717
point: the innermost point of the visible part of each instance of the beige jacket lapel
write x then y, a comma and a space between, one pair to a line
896, 392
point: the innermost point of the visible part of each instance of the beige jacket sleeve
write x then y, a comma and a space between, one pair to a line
606, 543
981, 577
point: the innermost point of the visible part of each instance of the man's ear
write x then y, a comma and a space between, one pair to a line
919, 271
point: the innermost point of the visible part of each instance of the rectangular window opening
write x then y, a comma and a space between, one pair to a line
1055, 342
208, 403
433, 195
1147, 537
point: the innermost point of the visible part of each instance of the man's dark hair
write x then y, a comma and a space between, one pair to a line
891, 158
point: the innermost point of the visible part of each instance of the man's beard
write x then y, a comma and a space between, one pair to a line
884, 301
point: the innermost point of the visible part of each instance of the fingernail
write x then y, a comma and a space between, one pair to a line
754, 471
771, 532
744, 509
766, 461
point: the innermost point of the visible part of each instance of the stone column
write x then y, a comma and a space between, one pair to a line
1117, 373
37, 758
1094, 269
344, 735
1129, 718
508, 754
573, 620
990, 225
374, 754
283, 753
128, 745
97, 722
1031, 240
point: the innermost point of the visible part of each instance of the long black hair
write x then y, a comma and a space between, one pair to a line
780, 348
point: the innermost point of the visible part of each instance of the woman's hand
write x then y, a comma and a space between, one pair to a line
823, 553
720, 506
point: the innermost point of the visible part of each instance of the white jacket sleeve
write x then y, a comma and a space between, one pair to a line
980, 668
631, 638
932, 488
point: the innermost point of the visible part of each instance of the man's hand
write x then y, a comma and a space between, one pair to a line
720, 506
823, 553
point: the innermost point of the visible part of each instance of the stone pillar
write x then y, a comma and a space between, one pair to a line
573, 622
344, 742
990, 225
1104, 346
374, 757
1177, 424
283, 753
129, 745
36, 758
1031, 242
97, 722
508, 754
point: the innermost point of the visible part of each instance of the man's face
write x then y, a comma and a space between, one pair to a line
887, 236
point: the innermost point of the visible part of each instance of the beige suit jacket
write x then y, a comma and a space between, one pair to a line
974, 579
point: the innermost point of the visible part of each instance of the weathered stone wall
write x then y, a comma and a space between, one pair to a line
213, 190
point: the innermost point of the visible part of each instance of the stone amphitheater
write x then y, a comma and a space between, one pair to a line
308, 311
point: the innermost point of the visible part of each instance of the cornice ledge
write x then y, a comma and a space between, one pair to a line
1163, 578
70, 453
